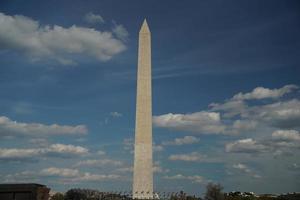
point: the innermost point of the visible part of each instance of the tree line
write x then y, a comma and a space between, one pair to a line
213, 192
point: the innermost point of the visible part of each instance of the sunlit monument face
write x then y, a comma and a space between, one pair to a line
143, 175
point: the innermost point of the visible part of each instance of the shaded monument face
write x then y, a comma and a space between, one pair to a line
143, 175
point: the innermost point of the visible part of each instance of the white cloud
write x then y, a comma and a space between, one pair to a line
18, 154
92, 18
125, 169
64, 175
157, 148
280, 114
183, 141
22, 108
242, 167
120, 32
26, 36
62, 149
99, 163
101, 153
190, 157
62, 172
241, 126
116, 114
262, 93
157, 168
231, 107
286, 135
35, 153
194, 178
128, 144
95, 177
246, 170
245, 146
41, 142
9, 127
283, 142
198, 122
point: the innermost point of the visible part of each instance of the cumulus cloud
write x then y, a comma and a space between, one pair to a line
198, 122
231, 108
19, 154
99, 163
262, 93
236, 115
64, 175
282, 142
190, 157
88, 177
27, 36
245, 146
13, 128
183, 141
280, 114
286, 135
62, 172
92, 18
62, 149
241, 126
194, 178
75, 174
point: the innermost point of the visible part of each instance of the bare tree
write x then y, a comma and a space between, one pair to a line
57, 196
214, 192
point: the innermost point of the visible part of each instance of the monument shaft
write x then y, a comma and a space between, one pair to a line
143, 174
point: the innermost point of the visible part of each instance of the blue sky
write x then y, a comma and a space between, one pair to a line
225, 93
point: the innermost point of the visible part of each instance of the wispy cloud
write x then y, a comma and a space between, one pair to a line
92, 18
62, 175
263, 93
189, 157
115, 114
14, 128
99, 163
120, 31
182, 141
58, 150
194, 178
245, 170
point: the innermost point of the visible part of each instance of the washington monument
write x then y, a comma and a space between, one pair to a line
143, 174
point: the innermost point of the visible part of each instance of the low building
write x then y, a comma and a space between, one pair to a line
26, 191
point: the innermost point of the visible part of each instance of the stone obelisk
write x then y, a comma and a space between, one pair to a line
143, 174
